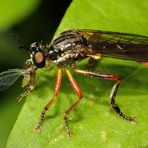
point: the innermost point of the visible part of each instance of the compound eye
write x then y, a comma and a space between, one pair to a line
39, 57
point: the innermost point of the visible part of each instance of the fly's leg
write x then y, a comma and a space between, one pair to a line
92, 62
93, 59
56, 91
113, 91
29, 79
79, 94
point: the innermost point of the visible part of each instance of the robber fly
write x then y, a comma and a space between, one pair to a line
71, 47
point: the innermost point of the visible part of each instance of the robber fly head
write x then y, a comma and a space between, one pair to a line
37, 54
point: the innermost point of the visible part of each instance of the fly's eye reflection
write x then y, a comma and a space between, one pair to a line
90, 44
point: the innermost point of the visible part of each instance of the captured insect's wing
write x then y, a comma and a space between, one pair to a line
115, 44
7, 78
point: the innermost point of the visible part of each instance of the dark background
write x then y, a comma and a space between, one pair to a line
43, 22
38, 26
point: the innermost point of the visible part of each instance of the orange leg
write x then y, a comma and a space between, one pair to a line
78, 93
56, 91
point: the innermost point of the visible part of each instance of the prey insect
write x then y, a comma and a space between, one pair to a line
71, 47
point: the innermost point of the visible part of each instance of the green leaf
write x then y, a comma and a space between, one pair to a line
93, 122
12, 12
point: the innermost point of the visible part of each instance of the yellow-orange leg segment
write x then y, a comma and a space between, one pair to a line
78, 92
56, 90
113, 91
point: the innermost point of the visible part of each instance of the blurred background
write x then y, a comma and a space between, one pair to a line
35, 20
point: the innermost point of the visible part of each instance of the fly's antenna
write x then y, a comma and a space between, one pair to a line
22, 45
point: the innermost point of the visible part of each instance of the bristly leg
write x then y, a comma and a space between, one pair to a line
24, 94
56, 91
78, 92
113, 92
29, 79
114, 105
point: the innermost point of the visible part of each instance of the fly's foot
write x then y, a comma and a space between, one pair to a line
38, 127
39, 123
131, 119
121, 114
28, 90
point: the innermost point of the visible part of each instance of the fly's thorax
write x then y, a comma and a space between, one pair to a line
66, 48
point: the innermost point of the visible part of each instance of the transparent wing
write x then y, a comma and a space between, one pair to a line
118, 45
7, 78
113, 37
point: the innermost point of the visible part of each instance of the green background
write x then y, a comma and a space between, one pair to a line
93, 122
